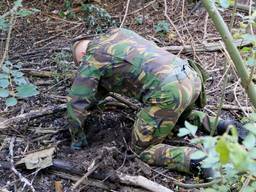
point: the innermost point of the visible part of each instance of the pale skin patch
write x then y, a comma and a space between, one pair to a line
80, 50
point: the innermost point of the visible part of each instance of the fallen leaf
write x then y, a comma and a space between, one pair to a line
40, 159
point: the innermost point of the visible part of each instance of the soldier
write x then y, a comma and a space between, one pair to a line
121, 61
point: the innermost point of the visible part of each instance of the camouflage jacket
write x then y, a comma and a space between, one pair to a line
126, 63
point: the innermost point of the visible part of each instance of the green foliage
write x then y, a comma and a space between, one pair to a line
3, 24
188, 129
139, 20
225, 3
234, 161
17, 11
162, 27
244, 32
67, 12
63, 62
14, 84
96, 17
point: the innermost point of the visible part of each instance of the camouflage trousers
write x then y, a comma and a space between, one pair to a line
156, 121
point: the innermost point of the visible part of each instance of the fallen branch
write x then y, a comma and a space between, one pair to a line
21, 177
232, 107
32, 115
126, 12
143, 182
90, 182
90, 170
209, 47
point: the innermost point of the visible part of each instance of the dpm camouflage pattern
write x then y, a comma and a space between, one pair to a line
126, 63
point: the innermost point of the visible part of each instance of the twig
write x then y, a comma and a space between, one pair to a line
143, 182
138, 10
91, 169
58, 34
213, 130
125, 101
235, 95
6, 50
22, 178
246, 183
169, 19
31, 115
243, 7
188, 185
126, 12
232, 20
91, 182
205, 26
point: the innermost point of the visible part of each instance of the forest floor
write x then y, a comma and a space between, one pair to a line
41, 42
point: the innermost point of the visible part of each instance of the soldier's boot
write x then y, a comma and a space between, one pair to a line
207, 123
227, 125
178, 159
207, 174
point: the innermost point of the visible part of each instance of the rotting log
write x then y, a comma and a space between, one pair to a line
234, 54
207, 47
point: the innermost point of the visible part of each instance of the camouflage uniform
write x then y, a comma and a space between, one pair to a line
124, 62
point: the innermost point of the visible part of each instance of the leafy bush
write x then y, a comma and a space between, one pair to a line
96, 17
162, 27
234, 162
13, 83
63, 62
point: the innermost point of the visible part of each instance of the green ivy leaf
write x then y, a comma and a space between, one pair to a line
139, 20
6, 69
4, 83
224, 3
183, 132
251, 127
4, 76
26, 90
18, 3
11, 101
250, 61
20, 81
4, 25
246, 49
162, 26
191, 128
17, 73
249, 141
24, 12
4, 92
223, 151
238, 156
252, 153
249, 37
197, 155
